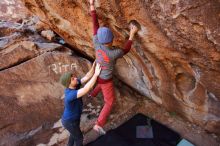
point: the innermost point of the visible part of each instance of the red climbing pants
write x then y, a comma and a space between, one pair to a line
109, 97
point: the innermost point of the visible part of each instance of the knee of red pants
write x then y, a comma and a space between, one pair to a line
109, 99
110, 102
93, 93
109, 105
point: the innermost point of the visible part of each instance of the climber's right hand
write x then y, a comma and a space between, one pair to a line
133, 30
91, 2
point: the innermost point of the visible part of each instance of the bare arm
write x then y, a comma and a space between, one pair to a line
92, 7
89, 74
90, 84
94, 17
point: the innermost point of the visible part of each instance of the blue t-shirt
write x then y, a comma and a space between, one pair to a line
72, 104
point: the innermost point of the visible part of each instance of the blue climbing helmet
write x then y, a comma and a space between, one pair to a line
105, 35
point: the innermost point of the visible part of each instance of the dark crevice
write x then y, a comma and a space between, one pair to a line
76, 51
29, 58
5, 126
58, 41
16, 64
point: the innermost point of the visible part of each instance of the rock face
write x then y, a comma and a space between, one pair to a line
12, 10
175, 59
30, 93
31, 97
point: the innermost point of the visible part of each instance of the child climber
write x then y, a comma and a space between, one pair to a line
106, 56
73, 102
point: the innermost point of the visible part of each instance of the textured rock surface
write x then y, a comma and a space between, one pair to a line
175, 59
30, 68
31, 97
12, 10
127, 101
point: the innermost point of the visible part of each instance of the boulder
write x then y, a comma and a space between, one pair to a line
49, 34
174, 59
30, 91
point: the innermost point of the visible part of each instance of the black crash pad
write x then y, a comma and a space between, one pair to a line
125, 135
